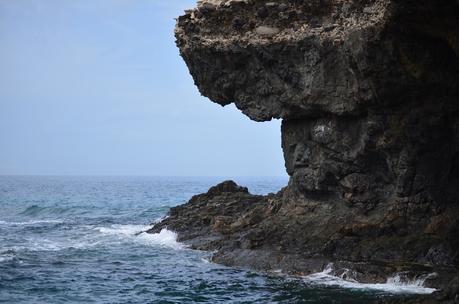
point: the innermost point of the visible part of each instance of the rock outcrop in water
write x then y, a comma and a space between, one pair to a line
367, 91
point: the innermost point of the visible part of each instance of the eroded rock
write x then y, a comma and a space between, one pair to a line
368, 91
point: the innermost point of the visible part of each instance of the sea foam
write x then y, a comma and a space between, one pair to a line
137, 233
395, 284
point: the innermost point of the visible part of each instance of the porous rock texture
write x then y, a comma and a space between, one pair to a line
367, 91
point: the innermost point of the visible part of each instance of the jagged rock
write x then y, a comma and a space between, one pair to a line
361, 55
368, 91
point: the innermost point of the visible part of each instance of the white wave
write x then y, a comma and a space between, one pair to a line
43, 244
137, 233
123, 230
165, 238
394, 284
29, 223
92, 237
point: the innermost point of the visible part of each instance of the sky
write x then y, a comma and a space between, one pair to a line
97, 87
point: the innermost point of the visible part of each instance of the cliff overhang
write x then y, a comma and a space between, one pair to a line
368, 94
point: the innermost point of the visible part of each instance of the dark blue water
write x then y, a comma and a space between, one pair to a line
73, 240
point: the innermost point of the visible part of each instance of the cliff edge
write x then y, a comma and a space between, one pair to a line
368, 94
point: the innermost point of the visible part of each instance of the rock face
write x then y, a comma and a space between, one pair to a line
368, 91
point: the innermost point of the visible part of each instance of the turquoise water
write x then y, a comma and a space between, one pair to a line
73, 240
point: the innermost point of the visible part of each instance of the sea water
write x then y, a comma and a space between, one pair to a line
76, 240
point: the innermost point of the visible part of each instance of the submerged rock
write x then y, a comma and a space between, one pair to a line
369, 96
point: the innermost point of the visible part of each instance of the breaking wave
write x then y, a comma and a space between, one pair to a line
90, 237
395, 284
137, 233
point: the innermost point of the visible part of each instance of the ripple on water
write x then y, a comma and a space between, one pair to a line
68, 240
31, 223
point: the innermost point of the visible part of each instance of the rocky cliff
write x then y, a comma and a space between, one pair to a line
367, 91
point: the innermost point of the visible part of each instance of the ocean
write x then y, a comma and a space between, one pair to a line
74, 240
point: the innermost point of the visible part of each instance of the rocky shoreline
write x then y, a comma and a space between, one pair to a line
259, 232
368, 94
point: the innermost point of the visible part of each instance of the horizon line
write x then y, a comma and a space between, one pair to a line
131, 175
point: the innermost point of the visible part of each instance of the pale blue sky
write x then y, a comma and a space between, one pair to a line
96, 87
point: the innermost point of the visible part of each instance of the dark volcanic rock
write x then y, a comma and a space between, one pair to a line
368, 91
